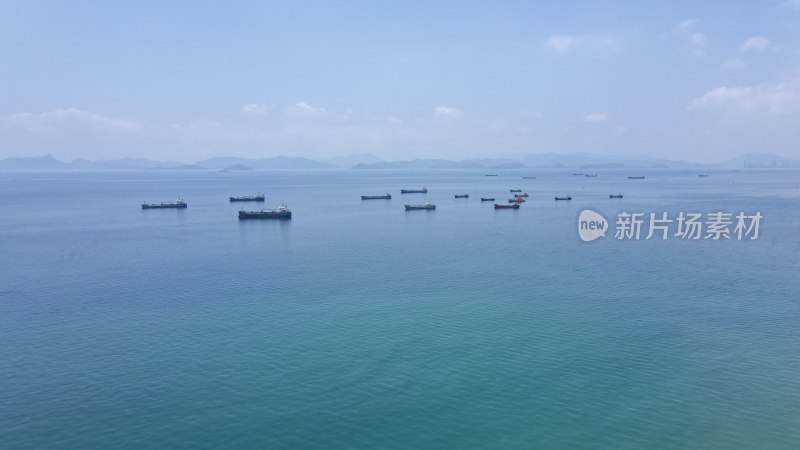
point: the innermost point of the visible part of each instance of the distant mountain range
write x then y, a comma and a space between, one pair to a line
371, 162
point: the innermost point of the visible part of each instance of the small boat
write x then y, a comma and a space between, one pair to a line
636, 178
577, 174
564, 198
462, 195
487, 199
516, 200
282, 212
703, 175
592, 175
428, 205
514, 206
615, 196
248, 198
386, 196
414, 191
490, 174
515, 190
521, 195
177, 204
528, 178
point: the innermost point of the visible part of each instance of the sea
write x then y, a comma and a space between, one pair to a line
359, 325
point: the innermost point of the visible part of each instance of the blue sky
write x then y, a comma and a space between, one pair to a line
702, 81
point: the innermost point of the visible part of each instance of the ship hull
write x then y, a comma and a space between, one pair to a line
413, 191
514, 206
246, 199
255, 215
376, 197
415, 208
170, 206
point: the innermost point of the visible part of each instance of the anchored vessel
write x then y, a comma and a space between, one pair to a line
515, 190
386, 196
514, 206
462, 195
490, 174
521, 195
414, 191
703, 175
564, 198
615, 196
516, 200
282, 212
636, 178
428, 205
528, 178
179, 203
591, 175
487, 199
248, 198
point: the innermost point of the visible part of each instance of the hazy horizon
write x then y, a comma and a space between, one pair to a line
188, 81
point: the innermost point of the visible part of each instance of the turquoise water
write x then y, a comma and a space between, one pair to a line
357, 325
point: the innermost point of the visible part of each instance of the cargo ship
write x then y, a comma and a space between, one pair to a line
564, 198
462, 195
514, 206
414, 191
590, 175
490, 174
177, 204
515, 190
282, 212
386, 196
636, 178
516, 200
248, 198
423, 206
487, 199
521, 195
615, 196
528, 178
703, 175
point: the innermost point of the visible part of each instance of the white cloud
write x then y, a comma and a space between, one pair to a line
621, 130
302, 110
755, 43
68, 118
596, 117
698, 38
562, 43
686, 25
394, 120
734, 63
257, 108
446, 112
772, 98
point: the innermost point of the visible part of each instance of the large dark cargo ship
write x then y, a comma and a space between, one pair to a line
248, 198
425, 206
177, 204
414, 191
386, 196
499, 206
281, 213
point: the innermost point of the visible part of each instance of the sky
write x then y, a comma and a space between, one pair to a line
183, 81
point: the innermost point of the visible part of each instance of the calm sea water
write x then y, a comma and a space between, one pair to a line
358, 325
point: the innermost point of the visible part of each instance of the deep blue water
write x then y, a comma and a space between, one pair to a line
358, 325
